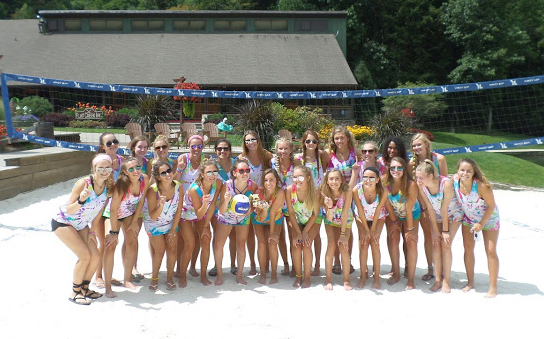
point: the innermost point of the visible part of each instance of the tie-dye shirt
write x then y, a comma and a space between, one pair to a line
343, 166
475, 207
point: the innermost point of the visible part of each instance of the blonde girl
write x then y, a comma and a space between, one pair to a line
422, 150
303, 207
370, 156
258, 159
402, 193
84, 206
267, 219
198, 207
283, 163
371, 201
317, 161
481, 214
162, 212
336, 207
122, 211
445, 216
228, 218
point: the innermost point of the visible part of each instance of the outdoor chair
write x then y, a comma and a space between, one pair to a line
211, 131
187, 129
164, 129
133, 130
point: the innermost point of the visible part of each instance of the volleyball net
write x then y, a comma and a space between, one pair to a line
73, 114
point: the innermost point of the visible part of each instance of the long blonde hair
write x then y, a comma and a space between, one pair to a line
291, 156
429, 155
311, 196
428, 168
325, 188
344, 130
200, 177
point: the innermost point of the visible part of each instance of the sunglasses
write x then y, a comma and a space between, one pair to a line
111, 142
163, 147
168, 171
196, 146
299, 178
396, 168
372, 179
102, 170
222, 149
212, 173
308, 141
242, 171
132, 169
369, 151
250, 141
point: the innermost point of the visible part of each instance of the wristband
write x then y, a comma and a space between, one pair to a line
80, 202
114, 232
177, 170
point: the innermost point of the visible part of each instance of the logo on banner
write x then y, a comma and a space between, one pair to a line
25, 137
125, 152
92, 148
59, 144
76, 84
312, 95
112, 88
280, 95
444, 89
344, 95
503, 146
378, 94
42, 81
214, 94
468, 150
538, 141
146, 90
248, 96
410, 91
514, 82
478, 86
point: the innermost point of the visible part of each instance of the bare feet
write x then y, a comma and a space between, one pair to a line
316, 272
410, 287
218, 281
467, 288
293, 273
306, 283
193, 272
99, 282
241, 281
285, 270
154, 285
405, 274
347, 286
377, 284
393, 280
253, 270
297, 282
176, 274
130, 285
183, 282
328, 286
446, 288
262, 280
273, 280
437, 285
205, 281
361, 283
492, 293
110, 293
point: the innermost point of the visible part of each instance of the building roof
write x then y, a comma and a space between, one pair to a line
154, 59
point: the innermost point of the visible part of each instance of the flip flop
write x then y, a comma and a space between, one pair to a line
337, 269
213, 272
351, 269
136, 277
427, 277
116, 282
171, 286
233, 270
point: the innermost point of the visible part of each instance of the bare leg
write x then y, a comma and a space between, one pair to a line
376, 256
393, 239
329, 254
159, 248
196, 250
490, 244
221, 234
109, 252
283, 249
411, 248
262, 243
130, 257
307, 256
350, 249
241, 239
273, 250
317, 248
468, 244
428, 246
232, 249
296, 253
179, 251
186, 229
100, 236
205, 251
171, 256
437, 259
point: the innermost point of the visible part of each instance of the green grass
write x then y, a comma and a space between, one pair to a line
497, 167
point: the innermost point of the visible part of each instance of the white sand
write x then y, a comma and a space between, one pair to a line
36, 270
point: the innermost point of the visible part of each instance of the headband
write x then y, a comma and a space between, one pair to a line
195, 136
100, 158
373, 169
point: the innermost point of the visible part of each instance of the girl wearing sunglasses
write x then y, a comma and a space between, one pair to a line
224, 162
402, 194
316, 160
228, 218
303, 207
283, 163
371, 201
85, 206
267, 219
370, 153
258, 159
343, 155
198, 206
445, 217
336, 207
161, 149
421, 150
162, 212
186, 173
122, 211
108, 144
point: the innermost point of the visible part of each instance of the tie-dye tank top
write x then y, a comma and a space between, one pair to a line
165, 220
370, 209
188, 212
475, 207
343, 166
455, 211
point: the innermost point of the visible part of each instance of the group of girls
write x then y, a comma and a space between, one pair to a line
180, 201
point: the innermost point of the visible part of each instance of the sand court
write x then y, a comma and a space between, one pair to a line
36, 270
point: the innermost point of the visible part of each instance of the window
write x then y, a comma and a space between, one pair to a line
189, 25
147, 25
229, 25
311, 26
106, 25
270, 25
72, 25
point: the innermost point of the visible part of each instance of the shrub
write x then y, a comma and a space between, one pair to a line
298, 120
218, 117
390, 123
153, 109
117, 119
37, 105
132, 112
427, 133
259, 117
87, 124
58, 119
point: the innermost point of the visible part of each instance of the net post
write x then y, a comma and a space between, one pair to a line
7, 109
